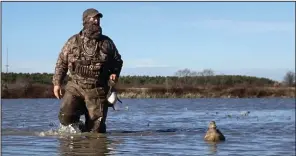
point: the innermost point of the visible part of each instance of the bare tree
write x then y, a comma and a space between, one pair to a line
194, 73
207, 72
183, 73
289, 78
187, 72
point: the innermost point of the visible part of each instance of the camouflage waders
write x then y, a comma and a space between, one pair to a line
87, 101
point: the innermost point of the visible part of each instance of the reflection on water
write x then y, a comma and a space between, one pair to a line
85, 145
212, 147
155, 127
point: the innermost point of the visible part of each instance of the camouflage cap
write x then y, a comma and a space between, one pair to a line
91, 12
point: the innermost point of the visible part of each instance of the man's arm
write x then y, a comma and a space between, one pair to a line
117, 62
61, 68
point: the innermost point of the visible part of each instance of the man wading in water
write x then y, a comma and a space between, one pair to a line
93, 62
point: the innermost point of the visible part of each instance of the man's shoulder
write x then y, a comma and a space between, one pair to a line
70, 43
106, 38
73, 39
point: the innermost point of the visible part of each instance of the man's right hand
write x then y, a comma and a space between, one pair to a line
57, 92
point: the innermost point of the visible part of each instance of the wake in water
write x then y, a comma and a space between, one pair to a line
239, 117
76, 128
62, 130
73, 130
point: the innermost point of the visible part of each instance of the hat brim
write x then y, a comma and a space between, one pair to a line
96, 14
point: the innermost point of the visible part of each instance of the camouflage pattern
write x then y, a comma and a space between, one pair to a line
90, 63
91, 12
105, 55
89, 102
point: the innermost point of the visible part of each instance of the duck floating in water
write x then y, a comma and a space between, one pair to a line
213, 134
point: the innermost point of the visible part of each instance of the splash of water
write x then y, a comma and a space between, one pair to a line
62, 130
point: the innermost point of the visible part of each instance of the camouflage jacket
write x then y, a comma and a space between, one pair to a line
106, 56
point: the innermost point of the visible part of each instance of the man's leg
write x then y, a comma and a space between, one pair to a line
96, 103
71, 106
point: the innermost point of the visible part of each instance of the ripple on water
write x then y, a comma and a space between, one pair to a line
155, 126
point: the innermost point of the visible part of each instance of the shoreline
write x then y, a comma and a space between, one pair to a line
46, 91
231, 92
39, 85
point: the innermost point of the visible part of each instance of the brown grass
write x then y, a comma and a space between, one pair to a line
46, 91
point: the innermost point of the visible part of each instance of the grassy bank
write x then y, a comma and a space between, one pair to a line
210, 92
39, 85
46, 91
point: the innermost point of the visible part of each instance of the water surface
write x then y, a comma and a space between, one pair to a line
155, 127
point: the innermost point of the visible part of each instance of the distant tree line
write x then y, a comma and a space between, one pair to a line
182, 78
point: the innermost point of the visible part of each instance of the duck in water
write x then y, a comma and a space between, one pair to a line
213, 134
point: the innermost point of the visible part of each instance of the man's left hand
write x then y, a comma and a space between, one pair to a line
113, 77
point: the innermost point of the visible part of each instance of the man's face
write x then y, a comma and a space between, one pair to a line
92, 28
96, 20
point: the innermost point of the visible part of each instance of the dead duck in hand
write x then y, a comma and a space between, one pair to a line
213, 134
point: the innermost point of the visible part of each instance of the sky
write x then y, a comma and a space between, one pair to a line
159, 38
